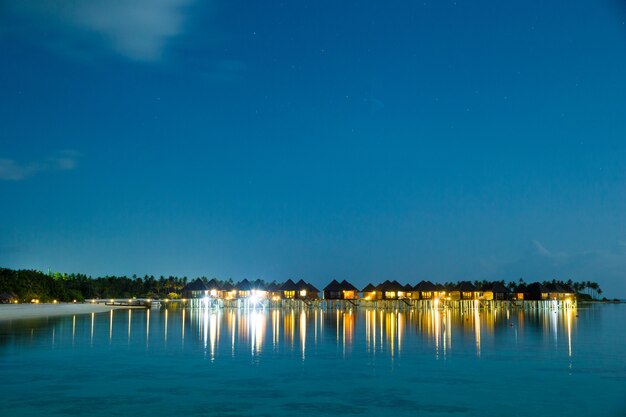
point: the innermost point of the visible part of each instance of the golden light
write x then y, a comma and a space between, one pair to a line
303, 293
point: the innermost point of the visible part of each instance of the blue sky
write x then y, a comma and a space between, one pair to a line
407, 140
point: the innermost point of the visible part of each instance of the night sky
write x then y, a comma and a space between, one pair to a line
366, 140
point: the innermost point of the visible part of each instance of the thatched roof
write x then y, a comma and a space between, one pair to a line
465, 286
227, 286
390, 286
213, 285
197, 285
259, 285
346, 286
369, 288
243, 285
536, 288
334, 286
312, 288
496, 287
289, 285
425, 286
408, 287
273, 287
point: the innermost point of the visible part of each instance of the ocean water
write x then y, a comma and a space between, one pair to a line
323, 363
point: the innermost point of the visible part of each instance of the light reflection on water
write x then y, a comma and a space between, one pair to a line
258, 331
415, 359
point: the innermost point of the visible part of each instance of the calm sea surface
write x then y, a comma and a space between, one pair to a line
293, 363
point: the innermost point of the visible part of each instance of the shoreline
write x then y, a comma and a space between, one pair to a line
13, 312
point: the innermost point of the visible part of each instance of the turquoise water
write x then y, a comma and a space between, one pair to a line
293, 363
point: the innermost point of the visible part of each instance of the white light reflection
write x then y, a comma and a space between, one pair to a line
303, 332
213, 334
165, 331
183, 330
111, 327
205, 328
147, 327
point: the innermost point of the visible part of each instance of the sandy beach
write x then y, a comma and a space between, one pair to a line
10, 312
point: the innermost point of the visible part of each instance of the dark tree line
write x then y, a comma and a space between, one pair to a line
26, 285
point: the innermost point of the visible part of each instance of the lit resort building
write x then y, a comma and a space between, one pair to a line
388, 294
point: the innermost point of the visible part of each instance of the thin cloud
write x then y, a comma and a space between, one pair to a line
605, 265
137, 29
12, 170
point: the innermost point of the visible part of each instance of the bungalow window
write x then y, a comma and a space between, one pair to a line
348, 294
427, 294
302, 293
290, 294
213, 293
390, 294
544, 296
467, 294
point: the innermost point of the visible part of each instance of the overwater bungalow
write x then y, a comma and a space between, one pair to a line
518, 292
195, 289
332, 291
259, 289
244, 288
229, 292
465, 290
441, 291
495, 291
274, 292
558, 292
535, 292
390, 290
425, 290
369, 292
350, 292
340, 291
288, 290
408, 291
215, 288
305, 291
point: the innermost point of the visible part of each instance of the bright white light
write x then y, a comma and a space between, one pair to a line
254, 300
